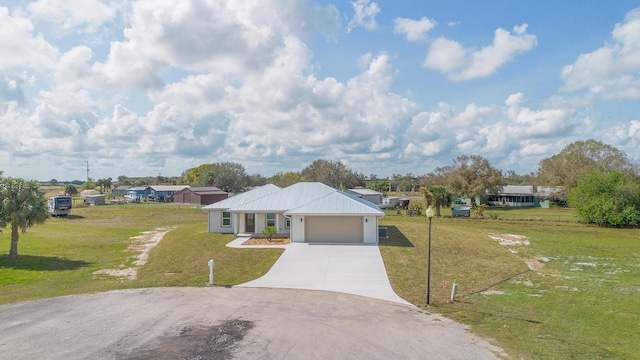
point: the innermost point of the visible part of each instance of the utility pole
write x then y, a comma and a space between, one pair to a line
87, 171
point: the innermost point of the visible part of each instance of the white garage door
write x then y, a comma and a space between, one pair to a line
334, 229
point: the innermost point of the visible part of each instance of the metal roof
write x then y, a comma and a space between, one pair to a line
168, 187
245, 197
138, 188
288, 198
364, 192
303, 198
516, 190
337, 203
548, 190
208, 190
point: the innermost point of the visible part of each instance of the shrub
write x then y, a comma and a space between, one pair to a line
611, 199
269, 231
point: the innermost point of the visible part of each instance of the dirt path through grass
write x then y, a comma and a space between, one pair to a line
141, 246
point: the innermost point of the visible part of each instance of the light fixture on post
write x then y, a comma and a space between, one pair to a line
430, 214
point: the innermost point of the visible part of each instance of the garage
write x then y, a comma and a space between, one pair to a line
346, 229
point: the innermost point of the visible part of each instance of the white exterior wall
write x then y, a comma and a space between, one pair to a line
297, 228
261, 222
236, 221
296, 232
215, 223
370, 230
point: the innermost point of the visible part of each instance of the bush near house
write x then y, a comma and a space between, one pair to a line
269, 231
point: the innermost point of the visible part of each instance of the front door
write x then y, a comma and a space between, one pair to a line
250, 223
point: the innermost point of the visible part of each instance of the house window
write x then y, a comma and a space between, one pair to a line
271, 220
226, 218
287, 222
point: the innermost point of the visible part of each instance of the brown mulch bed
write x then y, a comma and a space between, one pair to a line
265, 241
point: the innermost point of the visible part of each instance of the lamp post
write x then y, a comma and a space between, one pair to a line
430, 214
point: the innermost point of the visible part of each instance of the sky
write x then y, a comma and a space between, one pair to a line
155, 87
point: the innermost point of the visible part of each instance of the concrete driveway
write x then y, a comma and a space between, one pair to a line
229, 323
347, 268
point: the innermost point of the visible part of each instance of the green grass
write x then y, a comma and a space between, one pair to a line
181, 260
60, 256
583, 304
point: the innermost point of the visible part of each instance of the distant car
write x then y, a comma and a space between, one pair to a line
388, 203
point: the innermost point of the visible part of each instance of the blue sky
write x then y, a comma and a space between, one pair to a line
156, 87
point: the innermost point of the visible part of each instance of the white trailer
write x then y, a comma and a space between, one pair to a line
60, 205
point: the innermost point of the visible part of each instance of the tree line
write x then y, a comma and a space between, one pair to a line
599, 180
232, 177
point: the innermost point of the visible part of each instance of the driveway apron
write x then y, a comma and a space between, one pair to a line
347, 268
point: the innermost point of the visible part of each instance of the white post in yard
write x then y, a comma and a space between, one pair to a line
454, 289
211, 272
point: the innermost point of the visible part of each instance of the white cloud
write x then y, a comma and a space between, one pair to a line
188, 82
319, 116
458, 63
28, 50
69, 14
446, 56
626, 133
365, 12
530, 148
415, 30
612, 71
508, 135
382, 144
526, 123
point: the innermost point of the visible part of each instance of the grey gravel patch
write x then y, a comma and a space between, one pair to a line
198, 343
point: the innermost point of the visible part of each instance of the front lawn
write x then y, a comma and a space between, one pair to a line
61, 256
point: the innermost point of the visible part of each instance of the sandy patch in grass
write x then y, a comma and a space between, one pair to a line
533, 264
141, 246
510, 239
492, 292
517, 240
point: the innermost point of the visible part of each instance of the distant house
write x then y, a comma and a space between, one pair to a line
367, 194
199, 195
139, 192
95, 199
523, 196
85, 193
120, 190
164, 193
306, 211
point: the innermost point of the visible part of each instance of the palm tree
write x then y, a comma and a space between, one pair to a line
437, 196
22, 205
